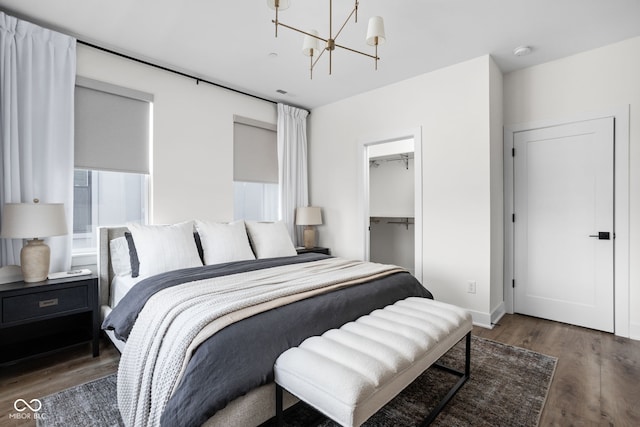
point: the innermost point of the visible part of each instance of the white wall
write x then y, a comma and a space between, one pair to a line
453, 108
591, 82
192, 175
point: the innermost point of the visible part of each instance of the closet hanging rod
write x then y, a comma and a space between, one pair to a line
406, 222
402, 158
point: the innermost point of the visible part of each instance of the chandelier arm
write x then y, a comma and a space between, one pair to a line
376, 57
330, 61
318, 58
330, 24
345, 23
299, 31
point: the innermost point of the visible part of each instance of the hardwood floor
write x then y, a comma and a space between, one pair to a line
597, 380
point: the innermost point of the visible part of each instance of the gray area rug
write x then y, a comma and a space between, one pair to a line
508, 387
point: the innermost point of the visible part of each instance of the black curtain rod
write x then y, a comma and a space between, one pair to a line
180, 73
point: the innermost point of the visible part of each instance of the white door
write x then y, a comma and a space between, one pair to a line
563, 231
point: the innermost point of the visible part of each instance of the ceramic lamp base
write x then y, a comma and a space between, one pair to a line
309, 237
34, 259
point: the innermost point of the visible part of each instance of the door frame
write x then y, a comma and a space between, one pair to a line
363, 174
621, 209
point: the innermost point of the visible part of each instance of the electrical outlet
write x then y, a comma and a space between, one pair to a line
471, 286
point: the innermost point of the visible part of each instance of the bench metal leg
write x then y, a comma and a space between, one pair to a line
279, 418
464, 376
279, 410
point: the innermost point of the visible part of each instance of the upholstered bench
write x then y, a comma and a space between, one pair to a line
349, 373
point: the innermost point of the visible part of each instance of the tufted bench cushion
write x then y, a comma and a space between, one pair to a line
349, 373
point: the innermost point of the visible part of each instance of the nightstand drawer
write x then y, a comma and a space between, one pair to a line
39, 304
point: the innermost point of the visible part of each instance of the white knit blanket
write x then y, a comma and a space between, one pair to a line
175, 320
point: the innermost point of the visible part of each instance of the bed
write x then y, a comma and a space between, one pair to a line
225, 373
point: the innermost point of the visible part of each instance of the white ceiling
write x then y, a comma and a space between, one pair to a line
230, 42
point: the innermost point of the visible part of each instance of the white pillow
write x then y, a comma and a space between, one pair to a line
270, 239
163, 248
224, 242
120, 260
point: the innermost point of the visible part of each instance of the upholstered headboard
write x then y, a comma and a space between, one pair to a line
105, 270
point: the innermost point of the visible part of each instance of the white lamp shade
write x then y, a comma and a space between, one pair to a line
283, 4
308, 216
310, 44
375, 31
33, 220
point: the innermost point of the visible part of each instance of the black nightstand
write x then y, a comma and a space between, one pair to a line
317, 249
39, 318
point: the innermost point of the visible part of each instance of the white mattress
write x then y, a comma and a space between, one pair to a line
120, 285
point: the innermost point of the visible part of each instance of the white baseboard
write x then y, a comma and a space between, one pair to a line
497, 314
488, 320
634, 331
481, 319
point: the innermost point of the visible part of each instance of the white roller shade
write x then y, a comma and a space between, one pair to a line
255, 154
111, 127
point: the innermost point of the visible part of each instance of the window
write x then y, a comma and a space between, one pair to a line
105, 198
112, 140
255, 170
257, 201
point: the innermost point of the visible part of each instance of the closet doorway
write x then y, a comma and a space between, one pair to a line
393, 201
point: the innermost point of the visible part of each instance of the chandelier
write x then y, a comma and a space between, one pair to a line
310, 45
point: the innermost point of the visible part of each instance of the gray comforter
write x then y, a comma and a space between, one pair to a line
240, 357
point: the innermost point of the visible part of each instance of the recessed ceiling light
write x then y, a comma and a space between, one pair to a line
522, 51
280, 91
273, 55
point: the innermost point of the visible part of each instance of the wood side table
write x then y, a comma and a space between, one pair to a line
43, 317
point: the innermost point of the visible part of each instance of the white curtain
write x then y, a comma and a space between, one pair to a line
37, 77
292, 165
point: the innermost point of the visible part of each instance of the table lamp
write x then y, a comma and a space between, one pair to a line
309, 217
33, 221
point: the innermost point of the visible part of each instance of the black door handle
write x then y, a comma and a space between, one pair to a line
602, 235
